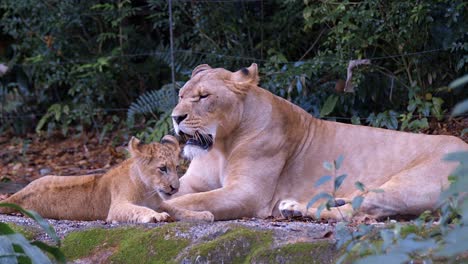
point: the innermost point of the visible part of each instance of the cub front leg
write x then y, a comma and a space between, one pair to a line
131, 213
187, 215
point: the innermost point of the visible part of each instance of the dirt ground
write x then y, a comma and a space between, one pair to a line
25, 159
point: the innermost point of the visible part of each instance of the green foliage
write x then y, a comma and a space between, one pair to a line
422, 240
72, 64
157, 105
15, 248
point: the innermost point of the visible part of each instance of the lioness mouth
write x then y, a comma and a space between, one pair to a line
204, 141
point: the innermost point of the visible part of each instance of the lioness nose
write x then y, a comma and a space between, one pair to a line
179, 118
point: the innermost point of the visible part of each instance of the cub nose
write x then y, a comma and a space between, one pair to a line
179, 118
173, 190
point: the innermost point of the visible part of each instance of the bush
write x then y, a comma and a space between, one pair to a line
15, 248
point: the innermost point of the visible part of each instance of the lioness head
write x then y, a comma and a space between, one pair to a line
156, 163
211, 105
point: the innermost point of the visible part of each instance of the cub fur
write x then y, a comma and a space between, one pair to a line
131, 192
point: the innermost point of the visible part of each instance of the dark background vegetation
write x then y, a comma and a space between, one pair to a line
102, 66
96, 72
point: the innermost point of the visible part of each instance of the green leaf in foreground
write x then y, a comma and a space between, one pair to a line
360, 186
339, 162
339, 181
323, 180
459, 82
55, 251
7, 253
33, 252
460, 108
41, 221
357, 201
388, 258
322, 195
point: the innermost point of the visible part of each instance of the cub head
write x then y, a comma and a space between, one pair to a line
155, 164
211, 106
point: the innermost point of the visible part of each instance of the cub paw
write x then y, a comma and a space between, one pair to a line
156, 217
290, 208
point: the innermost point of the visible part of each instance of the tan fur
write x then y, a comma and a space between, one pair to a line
130, 192
268, 154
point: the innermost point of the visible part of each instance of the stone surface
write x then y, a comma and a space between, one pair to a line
237, 241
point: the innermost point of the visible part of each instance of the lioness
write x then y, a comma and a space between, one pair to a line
130, 192
256, 154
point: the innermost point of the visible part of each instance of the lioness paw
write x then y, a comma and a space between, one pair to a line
205, 216
290, 208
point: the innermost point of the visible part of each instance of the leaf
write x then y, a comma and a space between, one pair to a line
323, 180
458, 82
329, 105
460, 156
41, 221
339, 161
393, 258
6, 229
54, 251
322, 195
33, 252
360, 186
357, 201
320, 209
339, 181
328, 165
460, 108
7, 253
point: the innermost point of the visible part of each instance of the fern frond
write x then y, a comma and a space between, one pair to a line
154, 102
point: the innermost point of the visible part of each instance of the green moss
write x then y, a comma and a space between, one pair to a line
236, 246
82, 243
126, 245
302, 252
158, 245
28, 232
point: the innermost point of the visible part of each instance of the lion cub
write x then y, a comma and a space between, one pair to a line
131, 192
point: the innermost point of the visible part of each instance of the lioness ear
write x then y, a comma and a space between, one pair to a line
200, 68
133, 147
247, 75
171, 141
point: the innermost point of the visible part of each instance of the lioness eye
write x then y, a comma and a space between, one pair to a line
163, 169
203, 96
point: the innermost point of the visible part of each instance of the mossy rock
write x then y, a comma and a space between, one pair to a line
125, 245
302, 252
175, 243
235, 246
28, 232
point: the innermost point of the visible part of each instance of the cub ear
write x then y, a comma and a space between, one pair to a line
247, 75
134, 147
200, 68
171, 141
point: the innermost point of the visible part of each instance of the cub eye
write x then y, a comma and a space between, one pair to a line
163, 169
203, 96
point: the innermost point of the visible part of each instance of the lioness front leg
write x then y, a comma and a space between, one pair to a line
128, 212
224, 203
187, 215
